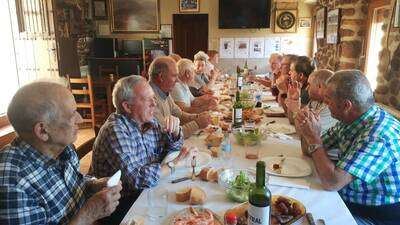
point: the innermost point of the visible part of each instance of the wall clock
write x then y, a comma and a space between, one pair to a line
285, 21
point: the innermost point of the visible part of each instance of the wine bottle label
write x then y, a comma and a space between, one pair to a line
240, 82
237, 115
258, 215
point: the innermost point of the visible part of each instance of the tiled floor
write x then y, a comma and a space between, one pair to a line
84, 135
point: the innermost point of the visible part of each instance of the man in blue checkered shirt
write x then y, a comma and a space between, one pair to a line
367, 174
132, 140
40, 182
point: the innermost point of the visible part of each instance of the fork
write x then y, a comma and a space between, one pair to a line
193, 164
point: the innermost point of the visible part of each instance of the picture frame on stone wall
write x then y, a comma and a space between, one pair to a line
332, 26
189, 6
320, 23
396, 23
100, 9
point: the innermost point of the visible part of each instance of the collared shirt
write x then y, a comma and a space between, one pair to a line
370, 152
36, 189
199, 81
158, 91
181, 93
122, 145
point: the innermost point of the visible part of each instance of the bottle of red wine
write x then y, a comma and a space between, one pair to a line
259, 199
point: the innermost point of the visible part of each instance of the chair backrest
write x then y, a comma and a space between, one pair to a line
85, 148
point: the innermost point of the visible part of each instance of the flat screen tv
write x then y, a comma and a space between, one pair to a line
244, 14
102, 48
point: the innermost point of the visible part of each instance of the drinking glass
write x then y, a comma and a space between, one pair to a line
157, 202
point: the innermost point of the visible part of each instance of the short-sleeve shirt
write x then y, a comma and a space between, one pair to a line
181, 93
370, 152
37, 189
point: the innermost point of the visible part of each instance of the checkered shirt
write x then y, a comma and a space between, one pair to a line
122, 145
370, 152
36, 189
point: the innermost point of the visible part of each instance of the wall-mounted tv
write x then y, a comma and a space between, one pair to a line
244, 14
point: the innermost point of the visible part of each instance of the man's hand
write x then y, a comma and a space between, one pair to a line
96, 185
292, 105
172, 125
185, 152
309, 125
101, 204
203, 120
294, 90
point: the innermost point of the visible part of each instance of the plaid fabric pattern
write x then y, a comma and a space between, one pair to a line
121, 144
370, 152
36, 189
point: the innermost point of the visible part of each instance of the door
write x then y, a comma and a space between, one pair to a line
190, 34
376, 16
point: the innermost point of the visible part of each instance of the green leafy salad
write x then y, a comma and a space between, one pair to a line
239, 188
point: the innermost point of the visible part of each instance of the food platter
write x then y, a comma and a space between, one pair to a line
193, 216
284, 211
203, 159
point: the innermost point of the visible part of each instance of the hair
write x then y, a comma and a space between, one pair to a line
352, 85
159, 65
322, 76
212, 53
292, 58
202, 56
275, 56
304, 66
33, 103
175, 57
123, 91
184, 65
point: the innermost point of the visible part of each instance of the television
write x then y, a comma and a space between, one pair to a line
244, 14
130, 48
102, 48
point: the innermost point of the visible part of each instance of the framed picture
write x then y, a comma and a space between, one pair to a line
134, 16
305, 22
285, 21
100, 9
320, 23
397, 15
166, 31
189, 5
332, 26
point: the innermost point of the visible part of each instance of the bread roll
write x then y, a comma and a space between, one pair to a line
203, 173
197, 196
183, 195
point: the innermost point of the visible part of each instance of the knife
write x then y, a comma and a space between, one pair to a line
310, 219
180, 179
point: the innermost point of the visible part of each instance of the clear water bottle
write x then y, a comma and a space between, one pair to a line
226, 150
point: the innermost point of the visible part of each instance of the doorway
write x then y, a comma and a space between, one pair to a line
376, 17
190, 34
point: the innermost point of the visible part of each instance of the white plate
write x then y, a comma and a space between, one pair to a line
281, 128
186, 212
203, 160
277, 110
291, 167
268, 98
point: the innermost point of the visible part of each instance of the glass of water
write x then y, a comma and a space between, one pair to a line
157, 202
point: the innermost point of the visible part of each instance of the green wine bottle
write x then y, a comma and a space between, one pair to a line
245, 69
237, 112
259, 199
239, 79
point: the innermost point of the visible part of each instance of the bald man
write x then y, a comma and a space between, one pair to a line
40, 182
163, 74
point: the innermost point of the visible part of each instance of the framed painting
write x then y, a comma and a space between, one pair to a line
397, 15
134, 16
320, 23
332, 26
305, 22
189, 5
166, 31
100, 9
285, 21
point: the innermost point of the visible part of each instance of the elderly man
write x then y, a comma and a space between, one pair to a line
316, 87
182, 95
163, 74
367, 174
40, 181
132, 140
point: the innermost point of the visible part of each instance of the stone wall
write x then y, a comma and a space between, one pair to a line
346, 54
388, 90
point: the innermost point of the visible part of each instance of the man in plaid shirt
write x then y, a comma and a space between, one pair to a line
40, 182
132, 140
367, 174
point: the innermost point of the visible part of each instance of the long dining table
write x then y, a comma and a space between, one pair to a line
326, 205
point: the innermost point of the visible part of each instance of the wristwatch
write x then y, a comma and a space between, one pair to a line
171, 166
313, 147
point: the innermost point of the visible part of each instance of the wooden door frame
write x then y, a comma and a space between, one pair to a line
371, 7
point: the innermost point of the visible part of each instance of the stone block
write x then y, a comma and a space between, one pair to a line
346, 66
394, 101
350, 49
394, 86
381, 90
348, 12
353, 22
346, 33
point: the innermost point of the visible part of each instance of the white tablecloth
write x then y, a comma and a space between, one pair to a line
322, 204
